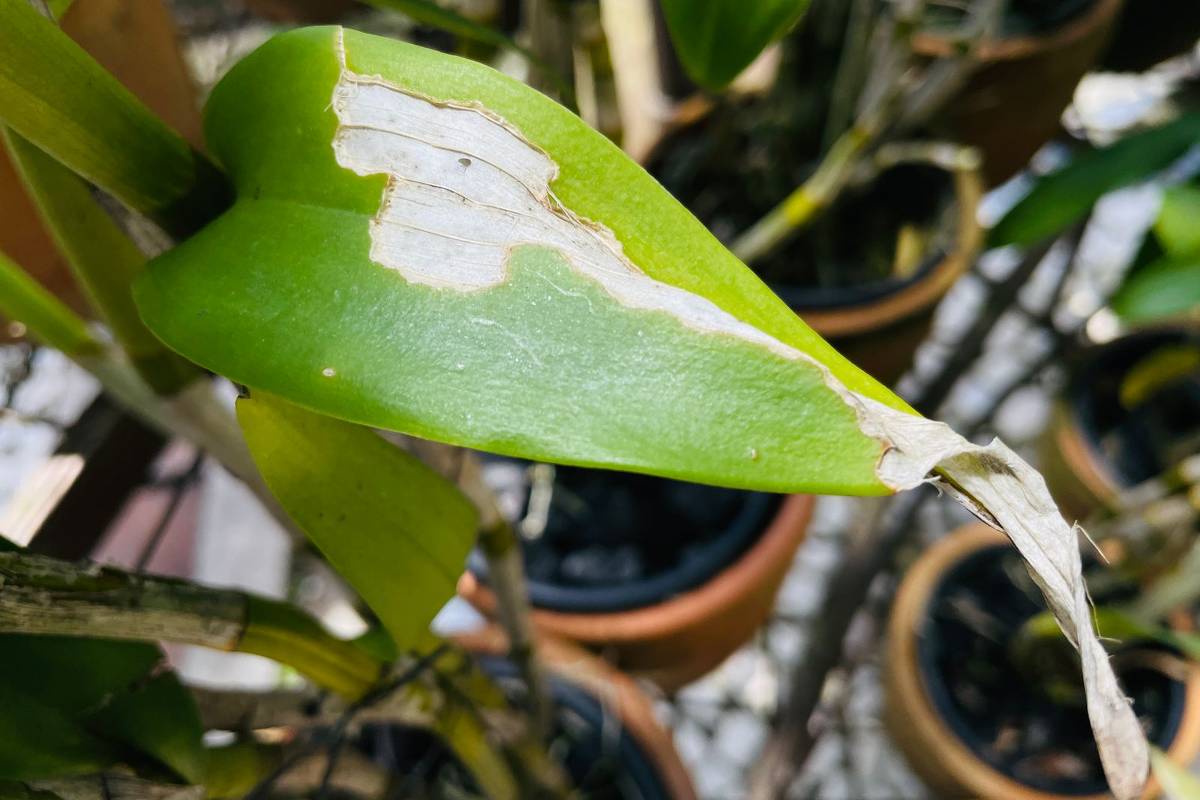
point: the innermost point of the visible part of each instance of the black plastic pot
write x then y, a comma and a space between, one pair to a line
604, 760
674, 535
713, 560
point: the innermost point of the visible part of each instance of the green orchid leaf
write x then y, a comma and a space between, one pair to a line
102, 258
717, 39
680, 363
56, 96
1061, 198
108, 699
1165, 288
397, 531
39, 741
1176, 227
24, 300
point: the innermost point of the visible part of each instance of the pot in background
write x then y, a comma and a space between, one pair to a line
879, 327
634, 759
931, 720
675, 625
1095, 447
1034, 74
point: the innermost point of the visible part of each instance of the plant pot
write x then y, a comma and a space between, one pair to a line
676, 622
958, 708
1012, 103
1094, 447
633, 759
879, 327
723, 172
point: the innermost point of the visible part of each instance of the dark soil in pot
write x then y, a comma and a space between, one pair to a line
613, 541
740, 161
1137, 401
1029, 728
603, 760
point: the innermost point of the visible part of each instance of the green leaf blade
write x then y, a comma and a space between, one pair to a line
394, 529
103, 699
1163, 289
58, 97
630, 388
1061, 198
717, 39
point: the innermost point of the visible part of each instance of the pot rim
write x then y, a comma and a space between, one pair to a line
611, 688
1018, 47
908, 698
738, 536
914, 296
786, 529
1074, 439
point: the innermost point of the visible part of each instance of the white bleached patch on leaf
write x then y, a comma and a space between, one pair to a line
464, 188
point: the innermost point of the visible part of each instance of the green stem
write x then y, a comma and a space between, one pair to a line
24, 300
807, 200
46, 596
102, 258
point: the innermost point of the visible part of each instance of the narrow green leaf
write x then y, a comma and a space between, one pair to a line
111, 693
39, 741
55, 95
103, 259
1163, 289
1178, 223
1177, 782
717, 39
395, 530
158, 717
1061, 198
24, 300
635, 383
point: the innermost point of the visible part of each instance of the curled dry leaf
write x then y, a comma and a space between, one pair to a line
424, 245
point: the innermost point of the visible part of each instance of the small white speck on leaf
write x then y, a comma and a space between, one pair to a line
329, 372
753, 453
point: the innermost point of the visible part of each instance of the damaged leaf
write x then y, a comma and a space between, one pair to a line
424, 245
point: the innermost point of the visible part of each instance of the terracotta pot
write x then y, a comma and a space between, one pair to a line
881, 334
1081, 476
677, 640
616, 691
1011, 105
942, 759
153, 70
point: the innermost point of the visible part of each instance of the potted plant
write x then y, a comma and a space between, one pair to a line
1129, 411
665, 578
977, 716
393, 238
816, 185
1032, 63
